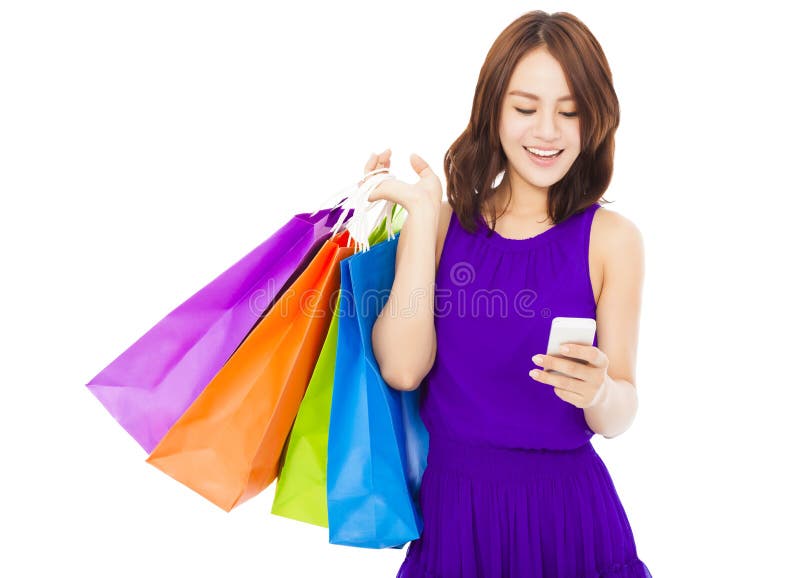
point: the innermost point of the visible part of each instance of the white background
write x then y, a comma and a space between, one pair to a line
147, 146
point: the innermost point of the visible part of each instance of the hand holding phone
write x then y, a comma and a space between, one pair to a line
579, 330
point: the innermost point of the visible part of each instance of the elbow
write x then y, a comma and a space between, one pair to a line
402, 374
403, 378
402, 381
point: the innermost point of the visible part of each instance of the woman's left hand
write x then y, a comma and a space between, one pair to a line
584, 383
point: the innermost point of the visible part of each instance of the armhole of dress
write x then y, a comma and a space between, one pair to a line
587, 236
444, 245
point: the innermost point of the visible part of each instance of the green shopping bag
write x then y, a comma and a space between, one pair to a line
301, 488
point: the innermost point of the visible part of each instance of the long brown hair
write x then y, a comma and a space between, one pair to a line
476, 158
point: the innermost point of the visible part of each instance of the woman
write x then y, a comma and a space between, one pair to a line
513, 486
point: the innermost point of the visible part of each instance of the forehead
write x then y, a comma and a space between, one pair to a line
540, 74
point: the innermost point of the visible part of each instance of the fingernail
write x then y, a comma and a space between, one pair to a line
564, 349
537, 359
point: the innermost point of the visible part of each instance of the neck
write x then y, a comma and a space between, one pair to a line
517, 198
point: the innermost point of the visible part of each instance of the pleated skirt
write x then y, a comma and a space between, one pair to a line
518, 513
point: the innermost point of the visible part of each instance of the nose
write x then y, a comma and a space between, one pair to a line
546, 128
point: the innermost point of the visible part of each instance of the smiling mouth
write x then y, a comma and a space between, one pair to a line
547, 161
543, 157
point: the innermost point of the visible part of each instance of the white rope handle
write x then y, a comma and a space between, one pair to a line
367, 214
362, 223
341, 196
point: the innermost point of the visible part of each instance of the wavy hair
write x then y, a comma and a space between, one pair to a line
476, 158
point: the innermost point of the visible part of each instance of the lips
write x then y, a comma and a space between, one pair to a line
548, 156
545, 158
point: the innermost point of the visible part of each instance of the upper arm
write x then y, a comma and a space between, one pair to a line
445, 212
619, 304
443, 220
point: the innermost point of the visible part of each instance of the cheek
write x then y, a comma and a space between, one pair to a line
574, 132
514, 130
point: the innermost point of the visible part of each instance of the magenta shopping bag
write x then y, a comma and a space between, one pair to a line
149, 386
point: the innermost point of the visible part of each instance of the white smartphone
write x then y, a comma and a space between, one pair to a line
569, 330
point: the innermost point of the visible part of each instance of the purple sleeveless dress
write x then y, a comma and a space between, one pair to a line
513, 487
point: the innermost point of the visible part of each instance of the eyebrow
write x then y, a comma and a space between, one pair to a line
536, 97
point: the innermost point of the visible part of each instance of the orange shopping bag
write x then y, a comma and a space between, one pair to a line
227, 445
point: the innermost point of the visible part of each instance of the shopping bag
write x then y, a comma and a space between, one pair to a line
378, 445
226, 446
155, 380
300, 487
300, 490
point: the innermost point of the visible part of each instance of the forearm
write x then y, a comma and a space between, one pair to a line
615, 411
403, 334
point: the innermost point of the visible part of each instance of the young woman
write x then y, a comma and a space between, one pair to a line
513, 487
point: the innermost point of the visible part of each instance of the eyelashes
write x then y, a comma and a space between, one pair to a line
528, 112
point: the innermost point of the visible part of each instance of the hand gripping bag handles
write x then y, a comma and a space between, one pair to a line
226, 446
377, 443
155, 380
301, 491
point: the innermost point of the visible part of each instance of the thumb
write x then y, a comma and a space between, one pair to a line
420, 166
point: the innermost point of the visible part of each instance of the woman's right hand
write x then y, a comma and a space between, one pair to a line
425, 194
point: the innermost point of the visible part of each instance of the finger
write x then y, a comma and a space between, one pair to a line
588, 354
572, 350
585, 354
420, 166
390, 190
571, 367
570, 397
562, 382
371, 162
383, 159
377, 195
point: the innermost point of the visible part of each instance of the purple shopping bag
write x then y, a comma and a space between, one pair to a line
149, 386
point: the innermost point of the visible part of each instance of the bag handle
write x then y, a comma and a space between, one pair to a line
341, 196
361, 224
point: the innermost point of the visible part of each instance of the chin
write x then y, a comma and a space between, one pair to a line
541, 181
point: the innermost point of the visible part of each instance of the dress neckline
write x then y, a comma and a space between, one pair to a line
495, 238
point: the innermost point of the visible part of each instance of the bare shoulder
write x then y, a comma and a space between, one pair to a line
615, 232
445, 212
619, 245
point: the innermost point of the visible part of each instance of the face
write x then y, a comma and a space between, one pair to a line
545, 123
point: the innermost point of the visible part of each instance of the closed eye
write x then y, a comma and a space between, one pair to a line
528, 112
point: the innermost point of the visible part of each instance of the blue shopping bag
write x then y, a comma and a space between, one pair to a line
377, 443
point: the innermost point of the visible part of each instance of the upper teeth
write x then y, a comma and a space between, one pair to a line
543, 153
